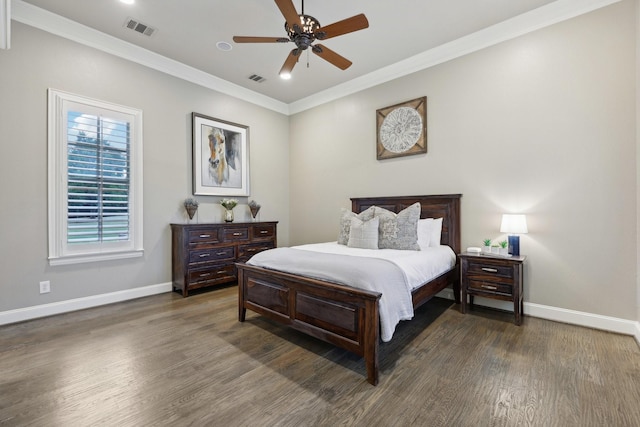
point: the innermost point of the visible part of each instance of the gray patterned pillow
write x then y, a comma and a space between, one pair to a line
398, 231
363, 234
345, 222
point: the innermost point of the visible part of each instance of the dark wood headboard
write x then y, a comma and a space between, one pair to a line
445, 206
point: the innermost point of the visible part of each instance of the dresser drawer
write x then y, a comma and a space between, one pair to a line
214, 274
212, 254
490, 287
233, 234
266, 231
203, 236
247, 251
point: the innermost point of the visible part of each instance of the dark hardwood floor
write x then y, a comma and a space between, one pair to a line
167, 360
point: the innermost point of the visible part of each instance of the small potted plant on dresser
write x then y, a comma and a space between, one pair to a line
487, 246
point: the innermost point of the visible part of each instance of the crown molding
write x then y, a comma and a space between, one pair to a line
558, 11
66, 28
552, 13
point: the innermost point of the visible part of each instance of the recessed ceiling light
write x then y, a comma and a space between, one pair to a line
224, 46
127, 1
285, 76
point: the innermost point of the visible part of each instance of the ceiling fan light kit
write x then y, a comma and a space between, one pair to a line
303, 30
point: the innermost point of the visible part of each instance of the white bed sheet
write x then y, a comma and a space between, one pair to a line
418, 266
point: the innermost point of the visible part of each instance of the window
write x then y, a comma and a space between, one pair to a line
95, 180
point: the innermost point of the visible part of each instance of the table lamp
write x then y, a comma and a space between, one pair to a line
514, 225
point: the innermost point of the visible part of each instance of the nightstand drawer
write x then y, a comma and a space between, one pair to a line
490, 269
491, 287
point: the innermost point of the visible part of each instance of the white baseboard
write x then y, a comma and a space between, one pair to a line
580, 318
28, 313
596, 321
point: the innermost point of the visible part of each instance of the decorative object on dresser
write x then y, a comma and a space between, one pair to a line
228, 205
347, 316
220, 157
191, 206
401, 129
495, 277
204, 255
514, 225
254, 208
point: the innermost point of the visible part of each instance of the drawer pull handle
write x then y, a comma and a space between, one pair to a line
264, 232
221, 253
221, 272
493, 288
237, 234
489, 270
205, 274
205, 255
204, 236
251, 250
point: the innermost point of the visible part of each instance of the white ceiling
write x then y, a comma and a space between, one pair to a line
188, 30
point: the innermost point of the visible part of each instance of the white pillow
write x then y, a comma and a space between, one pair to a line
429, 232
363, 234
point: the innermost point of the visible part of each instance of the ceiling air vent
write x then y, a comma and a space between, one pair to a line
257, 78
139, 27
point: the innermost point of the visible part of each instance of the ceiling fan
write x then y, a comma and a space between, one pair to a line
303, 30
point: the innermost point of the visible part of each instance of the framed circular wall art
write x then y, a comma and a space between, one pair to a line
401, 129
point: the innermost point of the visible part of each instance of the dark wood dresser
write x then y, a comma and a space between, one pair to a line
204, 255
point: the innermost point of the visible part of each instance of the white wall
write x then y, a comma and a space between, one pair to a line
543, 125
37, 61
637, 161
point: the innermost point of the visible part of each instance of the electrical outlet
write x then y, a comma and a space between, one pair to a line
45, 287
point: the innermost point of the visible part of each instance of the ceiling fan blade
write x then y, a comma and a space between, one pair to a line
290, 62
289, 12
330, 56
349, 25
248, 39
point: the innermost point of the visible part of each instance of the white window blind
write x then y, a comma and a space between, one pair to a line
95, 189
97, 179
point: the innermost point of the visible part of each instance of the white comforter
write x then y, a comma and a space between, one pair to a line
393, 273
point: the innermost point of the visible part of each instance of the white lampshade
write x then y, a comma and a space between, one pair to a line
514, 224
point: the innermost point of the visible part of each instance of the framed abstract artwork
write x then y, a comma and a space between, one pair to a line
220, 157
401, 129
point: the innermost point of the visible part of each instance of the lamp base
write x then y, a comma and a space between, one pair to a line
514, 245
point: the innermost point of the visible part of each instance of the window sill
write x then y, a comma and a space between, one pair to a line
79, 259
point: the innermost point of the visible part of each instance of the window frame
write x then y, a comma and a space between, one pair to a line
60, 252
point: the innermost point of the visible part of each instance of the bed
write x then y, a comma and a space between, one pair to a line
342, 315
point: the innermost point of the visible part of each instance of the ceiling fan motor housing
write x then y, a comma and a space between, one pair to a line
304, 34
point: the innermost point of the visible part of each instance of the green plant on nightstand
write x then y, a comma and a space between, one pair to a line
504, 248
487, 245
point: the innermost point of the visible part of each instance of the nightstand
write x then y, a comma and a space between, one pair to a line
492, 276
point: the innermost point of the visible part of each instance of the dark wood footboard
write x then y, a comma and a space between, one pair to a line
344, 316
